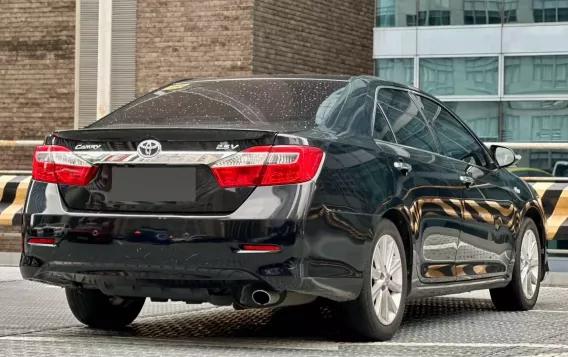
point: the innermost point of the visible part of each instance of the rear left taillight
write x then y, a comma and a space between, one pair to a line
268, 166
58, 164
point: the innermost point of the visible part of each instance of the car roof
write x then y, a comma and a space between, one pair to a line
371, 79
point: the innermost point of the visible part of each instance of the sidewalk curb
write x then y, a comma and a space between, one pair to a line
9, 259
556, 279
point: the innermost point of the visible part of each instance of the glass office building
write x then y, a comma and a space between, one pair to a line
501, 65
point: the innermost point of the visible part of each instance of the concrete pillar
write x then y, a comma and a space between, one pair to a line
104, 58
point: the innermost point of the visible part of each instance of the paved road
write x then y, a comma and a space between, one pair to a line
35, 321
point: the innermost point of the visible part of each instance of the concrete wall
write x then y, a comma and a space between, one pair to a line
313, 36
9, 240
37, 60
192, 38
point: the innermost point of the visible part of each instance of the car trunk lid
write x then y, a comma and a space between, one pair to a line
134, 175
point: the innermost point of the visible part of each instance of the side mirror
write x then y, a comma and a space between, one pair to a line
504, 156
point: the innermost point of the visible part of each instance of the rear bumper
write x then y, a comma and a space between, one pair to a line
167, 256
120, 266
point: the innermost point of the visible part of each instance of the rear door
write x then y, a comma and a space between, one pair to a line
427, 185
486, 240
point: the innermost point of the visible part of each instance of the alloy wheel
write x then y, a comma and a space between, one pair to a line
529, 264
386, 279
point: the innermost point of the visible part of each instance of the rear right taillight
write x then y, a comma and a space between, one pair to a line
58, 164
268, 166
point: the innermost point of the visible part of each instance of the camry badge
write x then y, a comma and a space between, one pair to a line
149, 148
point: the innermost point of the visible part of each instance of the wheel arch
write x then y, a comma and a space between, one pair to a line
402, 224
534, 214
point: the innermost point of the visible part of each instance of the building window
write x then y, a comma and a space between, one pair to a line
481, 12
550, 10
429, 18
545, 121
399, 70
436, 12
392, 13
481, 117
459, 76
536, 75
510, 11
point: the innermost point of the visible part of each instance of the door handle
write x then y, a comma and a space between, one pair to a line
403, 167
467, 181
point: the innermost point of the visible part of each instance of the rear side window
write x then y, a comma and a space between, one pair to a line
382, 130
276, 103
350, 114
456, 141
407, 123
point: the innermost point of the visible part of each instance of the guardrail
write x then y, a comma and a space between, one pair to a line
552, 190
514, 146
532, 146
554, 198
20, 143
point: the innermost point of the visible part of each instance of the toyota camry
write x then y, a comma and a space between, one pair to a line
267, 192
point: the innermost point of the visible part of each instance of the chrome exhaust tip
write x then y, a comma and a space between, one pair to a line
263, 297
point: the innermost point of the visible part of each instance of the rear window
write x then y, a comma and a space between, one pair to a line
284, 104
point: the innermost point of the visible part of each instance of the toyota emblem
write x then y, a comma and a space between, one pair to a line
149, 148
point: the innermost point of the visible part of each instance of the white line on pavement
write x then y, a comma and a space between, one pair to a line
201, 342
269, 344
470, 345
551, 311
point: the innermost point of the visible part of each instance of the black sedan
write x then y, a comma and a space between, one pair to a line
276, 191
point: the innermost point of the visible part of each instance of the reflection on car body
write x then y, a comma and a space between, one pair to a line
274, 191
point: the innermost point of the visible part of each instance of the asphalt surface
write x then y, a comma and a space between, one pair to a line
35, 321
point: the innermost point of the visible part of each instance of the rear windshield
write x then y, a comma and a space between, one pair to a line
283, 104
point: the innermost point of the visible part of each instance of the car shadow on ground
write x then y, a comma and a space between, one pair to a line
318, 322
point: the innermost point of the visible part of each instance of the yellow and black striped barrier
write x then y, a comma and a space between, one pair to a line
554, 197
13, 191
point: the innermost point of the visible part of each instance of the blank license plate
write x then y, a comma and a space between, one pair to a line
150, 184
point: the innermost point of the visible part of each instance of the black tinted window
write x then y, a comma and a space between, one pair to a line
350, 114
382, 130
561, 170
406, 120
287, 104
455, 139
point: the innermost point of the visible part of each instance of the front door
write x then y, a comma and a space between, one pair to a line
485, 242
427, 186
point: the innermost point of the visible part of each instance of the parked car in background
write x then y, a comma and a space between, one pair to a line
529, 172
279, 191
560, 169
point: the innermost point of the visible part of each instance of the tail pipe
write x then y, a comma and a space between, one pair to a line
263, 297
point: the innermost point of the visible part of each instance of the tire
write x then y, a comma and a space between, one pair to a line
512, 297
97, 310
360, 314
